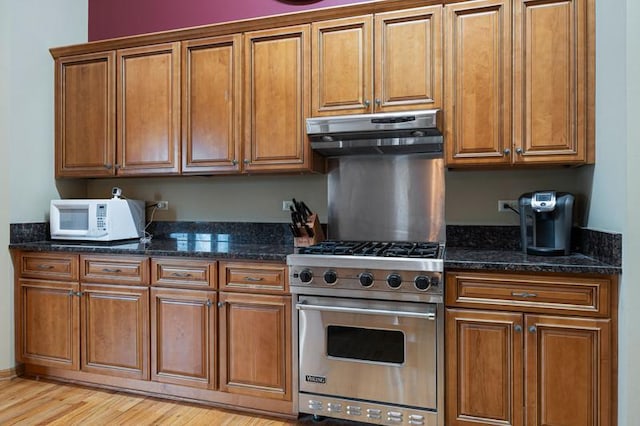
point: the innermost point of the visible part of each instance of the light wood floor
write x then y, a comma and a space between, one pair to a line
32, 402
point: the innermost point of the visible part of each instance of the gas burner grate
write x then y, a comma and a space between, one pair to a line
423, 250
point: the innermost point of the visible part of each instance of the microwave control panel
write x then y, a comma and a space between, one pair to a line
101, 216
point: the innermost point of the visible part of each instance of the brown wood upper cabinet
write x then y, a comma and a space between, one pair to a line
85, 115
212, 105
148, 110
277, 100
546, 116
378, 63
141, 86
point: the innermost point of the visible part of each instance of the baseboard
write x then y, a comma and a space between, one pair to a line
10, 373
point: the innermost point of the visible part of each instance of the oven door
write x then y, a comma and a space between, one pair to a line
370, 350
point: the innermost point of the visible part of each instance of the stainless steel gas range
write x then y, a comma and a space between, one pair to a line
369, 317
370, 331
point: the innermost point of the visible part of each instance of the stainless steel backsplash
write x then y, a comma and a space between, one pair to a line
386, 198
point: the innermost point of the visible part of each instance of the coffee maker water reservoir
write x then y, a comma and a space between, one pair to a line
546, 219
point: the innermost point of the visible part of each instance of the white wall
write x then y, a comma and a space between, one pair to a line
222, 198
28, 29
6, 278
472, 195
629, 348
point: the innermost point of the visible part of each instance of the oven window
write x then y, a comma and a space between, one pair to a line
365, 344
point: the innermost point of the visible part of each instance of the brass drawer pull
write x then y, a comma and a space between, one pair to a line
181, 274
524, 294
45, 267
254, 279
113, 271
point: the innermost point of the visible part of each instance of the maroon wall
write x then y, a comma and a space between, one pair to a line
118, 18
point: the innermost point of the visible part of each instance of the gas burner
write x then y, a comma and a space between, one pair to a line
424, 250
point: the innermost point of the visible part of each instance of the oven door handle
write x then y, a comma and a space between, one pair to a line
367, 311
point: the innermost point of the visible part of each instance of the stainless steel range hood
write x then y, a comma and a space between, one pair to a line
383, 133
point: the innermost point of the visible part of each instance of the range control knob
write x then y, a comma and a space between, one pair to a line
306, 275
366, 279
330, 277
422, 282
394, 280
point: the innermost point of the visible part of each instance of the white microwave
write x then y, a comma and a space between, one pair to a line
96, 220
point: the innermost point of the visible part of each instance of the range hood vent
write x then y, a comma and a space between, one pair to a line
385, 133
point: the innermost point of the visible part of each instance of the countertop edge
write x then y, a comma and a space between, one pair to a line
463, 259
238, 254
519, 267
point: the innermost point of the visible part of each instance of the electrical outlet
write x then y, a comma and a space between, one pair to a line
162, 205
286, 204
507, 205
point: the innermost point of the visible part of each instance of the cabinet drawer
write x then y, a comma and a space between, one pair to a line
530, 293
183, 273
131, 270
262, 277
49, 266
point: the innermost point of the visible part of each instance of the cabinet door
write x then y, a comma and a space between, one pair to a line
408, 59
148, 110
182, 337
477, 103
484, 368
342, 76
255, 345
211, 105
277, 99
553, 72
115, 330
568, 371
48, 324
85, 115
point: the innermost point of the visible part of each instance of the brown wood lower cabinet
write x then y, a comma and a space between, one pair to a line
255, 345
115, 330
183, 330
48, 323
524, 363
106, 320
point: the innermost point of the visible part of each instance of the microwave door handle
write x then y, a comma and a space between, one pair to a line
366, 311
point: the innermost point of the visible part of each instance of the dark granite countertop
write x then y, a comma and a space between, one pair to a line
516, 261
455, 258
169, 247
468, 247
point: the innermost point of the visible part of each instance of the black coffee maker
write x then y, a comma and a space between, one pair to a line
546, 219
